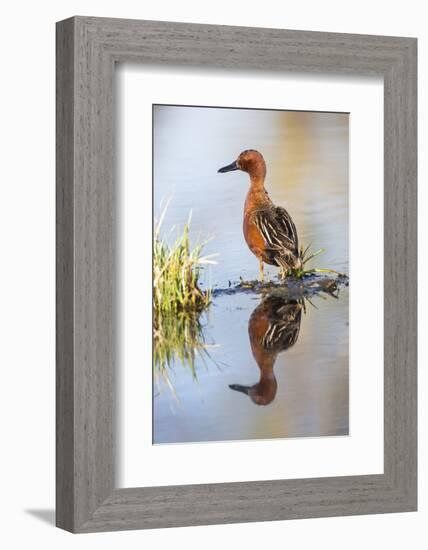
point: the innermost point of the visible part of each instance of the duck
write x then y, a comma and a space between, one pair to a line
269, 230
273, 327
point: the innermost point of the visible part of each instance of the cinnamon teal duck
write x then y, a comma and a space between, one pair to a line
269, 231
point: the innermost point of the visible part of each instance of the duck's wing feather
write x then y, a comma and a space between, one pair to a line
286, 223
277, 229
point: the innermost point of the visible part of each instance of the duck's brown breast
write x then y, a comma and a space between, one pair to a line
255, 200
253, 237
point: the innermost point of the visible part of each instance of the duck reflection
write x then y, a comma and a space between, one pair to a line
273, 327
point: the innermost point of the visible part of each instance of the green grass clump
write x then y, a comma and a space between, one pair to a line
306, 255
176, 274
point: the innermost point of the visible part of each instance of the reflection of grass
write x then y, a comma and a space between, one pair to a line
177, 339
177, 303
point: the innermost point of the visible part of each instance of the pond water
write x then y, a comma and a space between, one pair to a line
300, 388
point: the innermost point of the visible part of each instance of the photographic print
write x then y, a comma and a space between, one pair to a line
250, 274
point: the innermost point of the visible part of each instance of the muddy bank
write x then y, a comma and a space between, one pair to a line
309, 285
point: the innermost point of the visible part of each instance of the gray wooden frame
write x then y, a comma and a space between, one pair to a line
87, 50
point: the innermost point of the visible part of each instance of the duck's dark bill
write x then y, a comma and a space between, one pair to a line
238, 387
229, 167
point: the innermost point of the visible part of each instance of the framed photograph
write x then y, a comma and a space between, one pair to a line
236, 274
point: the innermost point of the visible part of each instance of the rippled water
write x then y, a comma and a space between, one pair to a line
307, 172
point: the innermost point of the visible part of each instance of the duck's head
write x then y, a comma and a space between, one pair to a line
250, 161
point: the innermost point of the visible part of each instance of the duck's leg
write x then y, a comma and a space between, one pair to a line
262, 275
